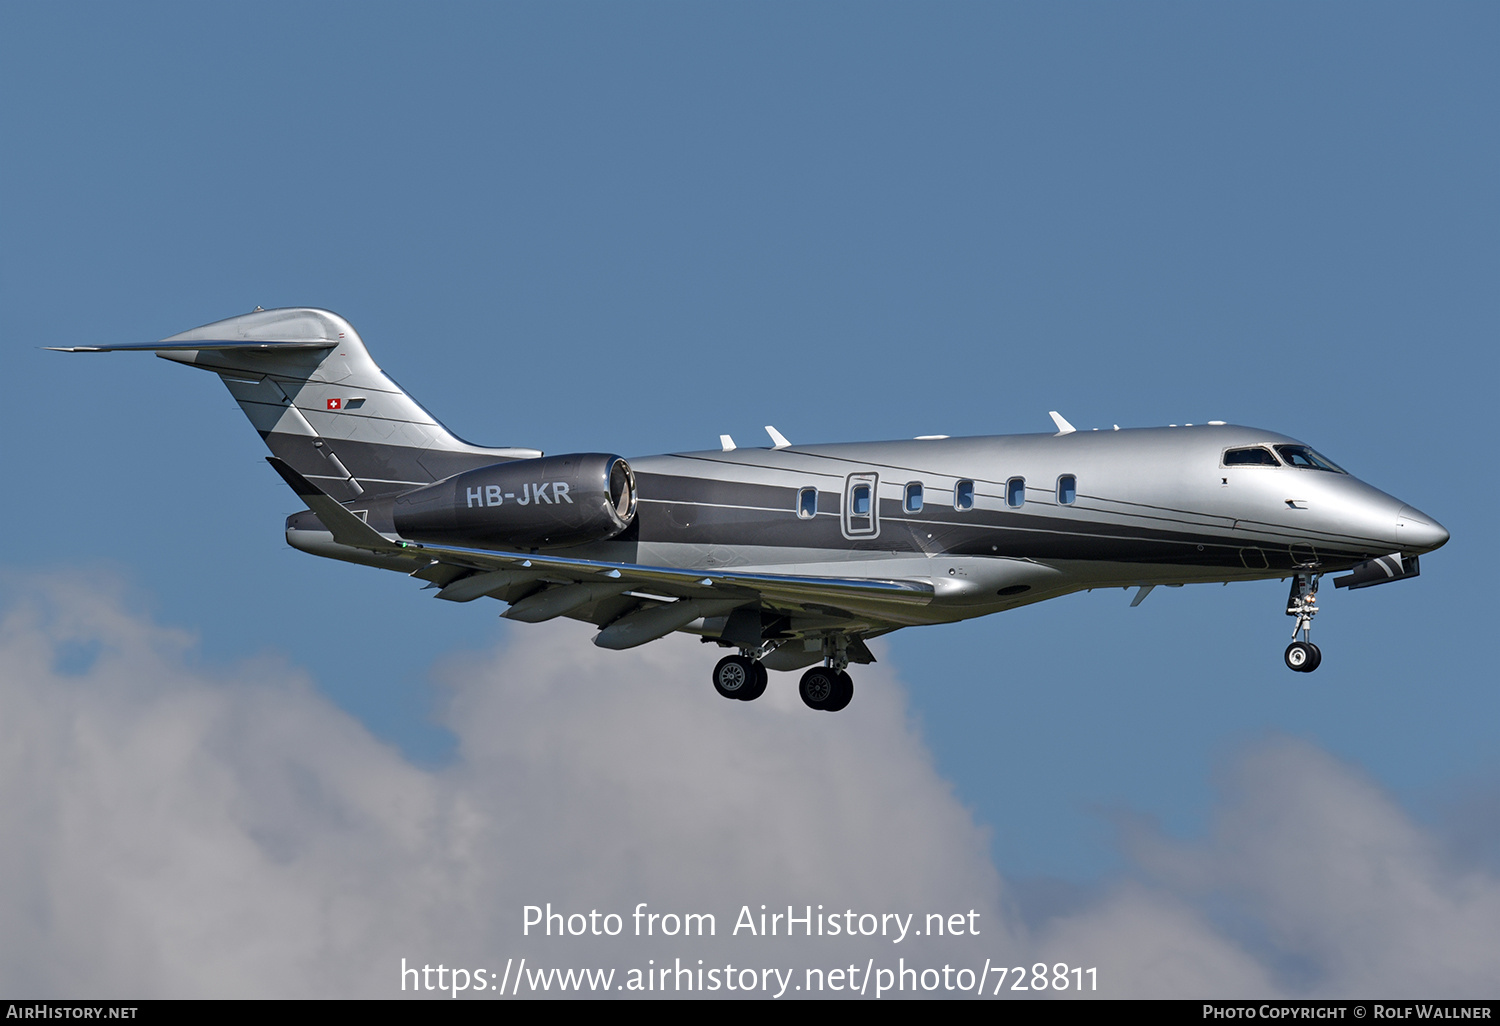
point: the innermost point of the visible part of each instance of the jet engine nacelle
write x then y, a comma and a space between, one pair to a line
554, 500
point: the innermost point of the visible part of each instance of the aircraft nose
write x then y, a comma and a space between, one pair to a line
1418, 532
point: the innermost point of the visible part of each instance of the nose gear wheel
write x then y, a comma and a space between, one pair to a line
1303, 656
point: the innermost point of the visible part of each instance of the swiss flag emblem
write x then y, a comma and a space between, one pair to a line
335, 404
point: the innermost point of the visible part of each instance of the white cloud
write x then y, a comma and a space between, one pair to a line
172, 831
1313, 867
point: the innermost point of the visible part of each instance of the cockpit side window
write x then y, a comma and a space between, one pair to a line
1303, 456
1252, 457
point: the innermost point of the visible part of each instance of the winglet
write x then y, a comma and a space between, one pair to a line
1063, 427
778, 440
347, 529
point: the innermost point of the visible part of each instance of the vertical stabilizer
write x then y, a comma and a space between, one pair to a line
307, 383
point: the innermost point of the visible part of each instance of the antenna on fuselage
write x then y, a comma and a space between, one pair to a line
1063, 427
778, 440
726, 443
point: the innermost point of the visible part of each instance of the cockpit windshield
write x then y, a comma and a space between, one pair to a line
1254, 456
1303, 456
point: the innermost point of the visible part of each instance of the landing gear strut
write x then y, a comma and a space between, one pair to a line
1303, 656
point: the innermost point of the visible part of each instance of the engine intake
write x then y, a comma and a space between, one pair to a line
553, 500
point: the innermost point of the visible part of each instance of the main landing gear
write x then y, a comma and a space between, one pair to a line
825, 688
828, 688
1303, 656
740, 677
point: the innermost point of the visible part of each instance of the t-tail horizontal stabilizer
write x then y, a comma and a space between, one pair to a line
214, 345
347, 529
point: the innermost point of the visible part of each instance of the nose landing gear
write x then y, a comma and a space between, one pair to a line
1303, 656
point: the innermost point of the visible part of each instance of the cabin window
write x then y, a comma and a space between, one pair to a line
1015, 491
807, 503
912, 502
1067, 489
963, 495
1254, 457
859, 500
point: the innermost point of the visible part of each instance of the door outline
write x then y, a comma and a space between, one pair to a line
854, 525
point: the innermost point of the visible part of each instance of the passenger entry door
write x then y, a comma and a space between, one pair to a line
861, 506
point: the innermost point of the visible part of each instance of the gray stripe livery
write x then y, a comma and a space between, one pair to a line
795, 554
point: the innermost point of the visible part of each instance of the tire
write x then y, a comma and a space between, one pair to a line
1300, 657
734, 676
843, 694
1317, 658
757, 686
817, 687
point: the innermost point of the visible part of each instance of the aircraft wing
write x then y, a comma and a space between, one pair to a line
783, 587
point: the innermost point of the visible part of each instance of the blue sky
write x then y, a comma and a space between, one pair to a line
587, 227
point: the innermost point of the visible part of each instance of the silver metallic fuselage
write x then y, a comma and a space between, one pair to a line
1152, 506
